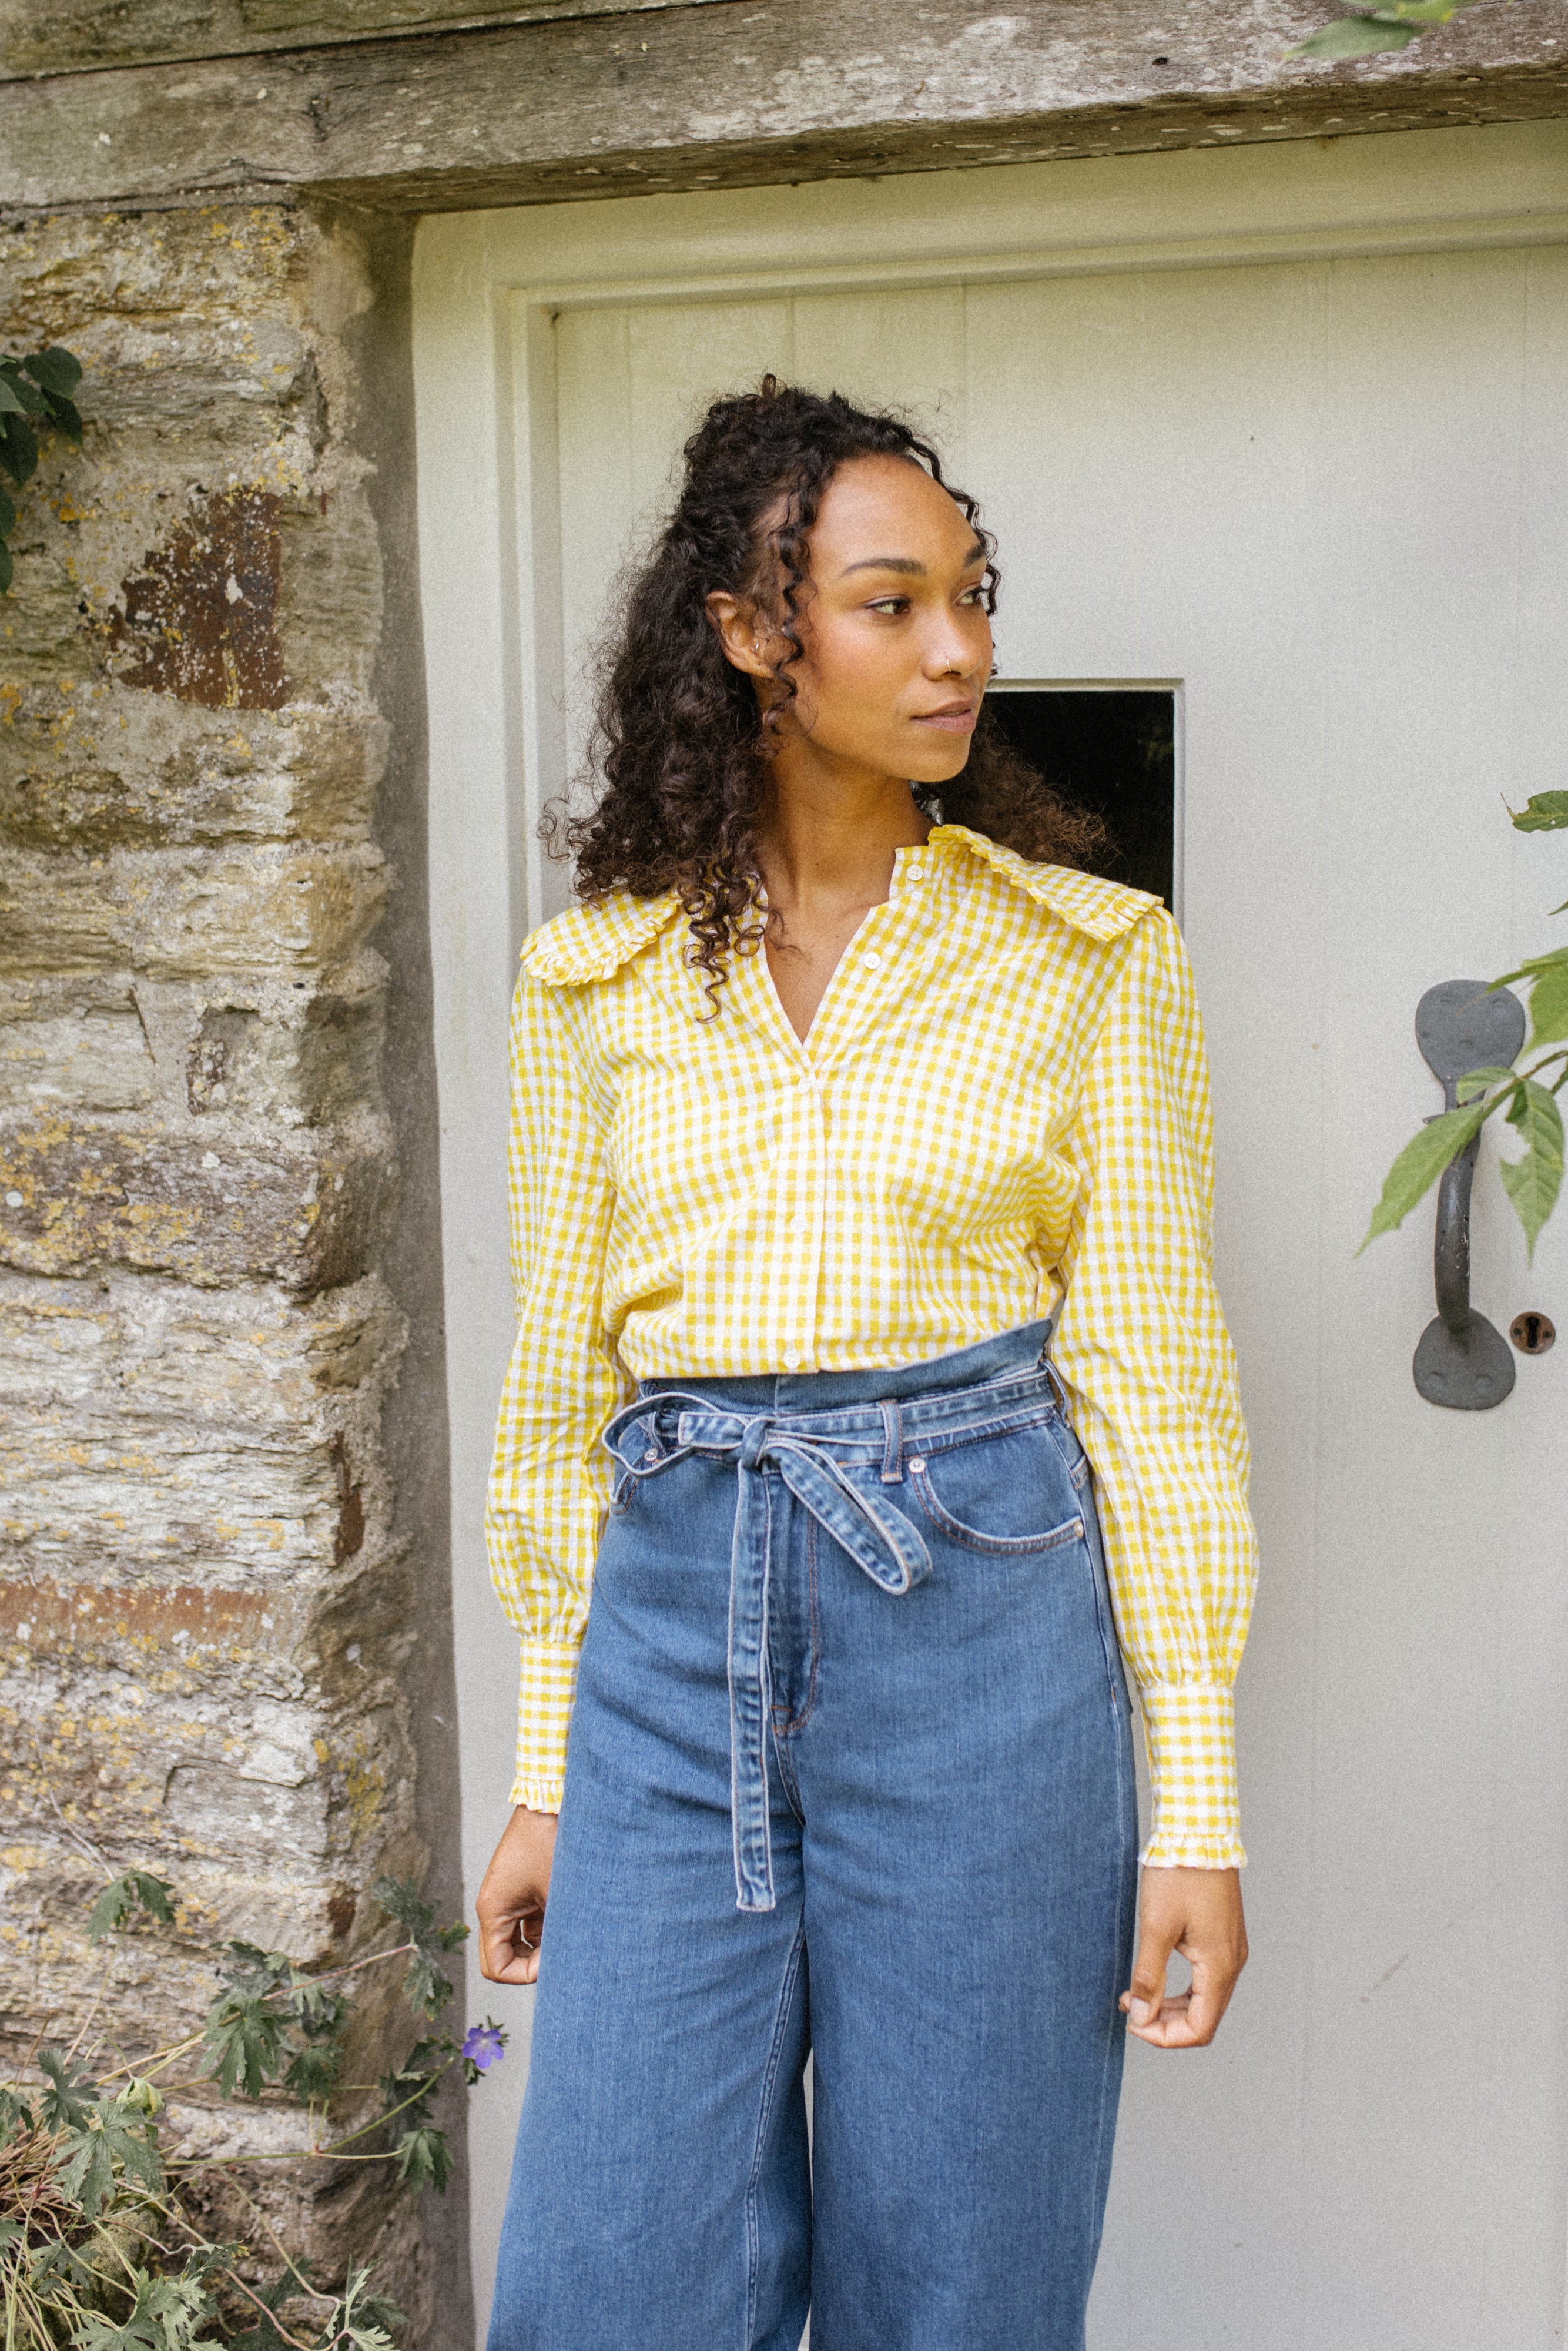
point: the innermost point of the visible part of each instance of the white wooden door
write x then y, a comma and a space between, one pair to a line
1319, 487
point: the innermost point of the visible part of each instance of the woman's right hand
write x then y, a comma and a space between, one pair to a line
511, 1901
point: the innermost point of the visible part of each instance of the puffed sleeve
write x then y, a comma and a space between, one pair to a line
549, 1484
1143, 1347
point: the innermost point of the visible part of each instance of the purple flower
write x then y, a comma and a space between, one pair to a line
484, 2045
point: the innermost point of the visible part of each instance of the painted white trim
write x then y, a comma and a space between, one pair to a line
1228, 251
1200, 208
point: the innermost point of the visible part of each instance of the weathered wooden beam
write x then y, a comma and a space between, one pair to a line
83, 35
743, 92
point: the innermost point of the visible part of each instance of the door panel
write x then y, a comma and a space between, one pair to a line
1302, 491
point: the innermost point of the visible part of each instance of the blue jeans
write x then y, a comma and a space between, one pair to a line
850, 1773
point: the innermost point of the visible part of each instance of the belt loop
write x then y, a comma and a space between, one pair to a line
1058, 1390
892, 1442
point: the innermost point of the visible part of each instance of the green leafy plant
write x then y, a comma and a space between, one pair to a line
103, 2246
35, 391
1526, 1096
1392, 27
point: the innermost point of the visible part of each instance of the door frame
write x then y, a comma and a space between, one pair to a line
487, 288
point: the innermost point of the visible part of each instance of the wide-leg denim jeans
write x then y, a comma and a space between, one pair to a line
850, 1773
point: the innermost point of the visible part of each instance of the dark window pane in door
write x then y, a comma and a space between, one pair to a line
1112, 752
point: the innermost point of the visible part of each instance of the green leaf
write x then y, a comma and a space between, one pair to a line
317, 2009
56, 370
167, 2314
1355, 37
135, 1891
409, 2088
7, 568
244, 2034
1549, 1001
424, 2158
66, 417
118, 2143
1534, 1182
427, 1985
1422, 12
18, 448
15, 2115
86, 2169
66, 2103
26, 396
362, 2319
1422, 1161
246, 2043
7, 513
310, 2073
1476, 1081
1541, 812
9, 403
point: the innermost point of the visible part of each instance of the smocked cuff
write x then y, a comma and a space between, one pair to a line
548, 1686
1190, 1731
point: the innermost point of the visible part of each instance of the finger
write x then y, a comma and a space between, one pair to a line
1212, 1985
510, 1945
1142, 1998
1171, 2028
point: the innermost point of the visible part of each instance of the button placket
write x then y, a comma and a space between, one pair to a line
801, 1187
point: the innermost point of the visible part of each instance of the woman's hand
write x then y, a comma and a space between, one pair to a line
511, 1901
1197, 1912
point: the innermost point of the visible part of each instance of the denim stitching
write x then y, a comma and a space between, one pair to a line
948, 1423
769, 2076
974, 1539
786, 1726
941, 1440
1110, 1645
1096, 2231
814, 1625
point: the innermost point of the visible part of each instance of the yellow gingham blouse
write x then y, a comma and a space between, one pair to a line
1001, 1106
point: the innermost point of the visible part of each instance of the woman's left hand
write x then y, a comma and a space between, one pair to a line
1198, 1913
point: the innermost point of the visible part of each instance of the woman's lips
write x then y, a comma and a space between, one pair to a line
957, 720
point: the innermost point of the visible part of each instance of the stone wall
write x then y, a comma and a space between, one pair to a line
222, 1632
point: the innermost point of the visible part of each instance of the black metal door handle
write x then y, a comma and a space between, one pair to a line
1463, 1360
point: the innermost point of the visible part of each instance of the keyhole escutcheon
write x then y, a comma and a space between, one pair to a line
1533, 1333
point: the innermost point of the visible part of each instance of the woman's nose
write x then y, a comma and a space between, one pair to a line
953, 652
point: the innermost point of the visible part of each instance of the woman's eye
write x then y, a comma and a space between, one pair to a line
973, 595
889, 604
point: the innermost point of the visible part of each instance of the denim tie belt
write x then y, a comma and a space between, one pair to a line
878, 1538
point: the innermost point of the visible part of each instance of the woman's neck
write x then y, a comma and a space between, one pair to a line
827, 842
826, 847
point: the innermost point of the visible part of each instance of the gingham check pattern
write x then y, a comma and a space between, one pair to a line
1002, 1105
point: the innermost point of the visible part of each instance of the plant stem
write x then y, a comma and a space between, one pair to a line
312, 2154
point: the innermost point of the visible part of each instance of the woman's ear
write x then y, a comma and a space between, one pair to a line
741, 633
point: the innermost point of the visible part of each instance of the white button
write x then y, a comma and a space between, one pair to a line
915, 872
872, 962
917, 1461
791, 1358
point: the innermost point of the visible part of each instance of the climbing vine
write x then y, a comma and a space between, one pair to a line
1526, 1096
35, 394
105, 2242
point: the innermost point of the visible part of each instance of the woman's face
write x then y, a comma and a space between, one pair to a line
895, 638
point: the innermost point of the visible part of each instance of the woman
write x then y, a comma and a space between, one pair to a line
839, 1097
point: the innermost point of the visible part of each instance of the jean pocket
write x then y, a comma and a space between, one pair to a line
1002, 1495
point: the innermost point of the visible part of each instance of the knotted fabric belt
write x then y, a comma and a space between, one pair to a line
880, 1540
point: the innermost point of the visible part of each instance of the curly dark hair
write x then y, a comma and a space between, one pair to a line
681, 741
